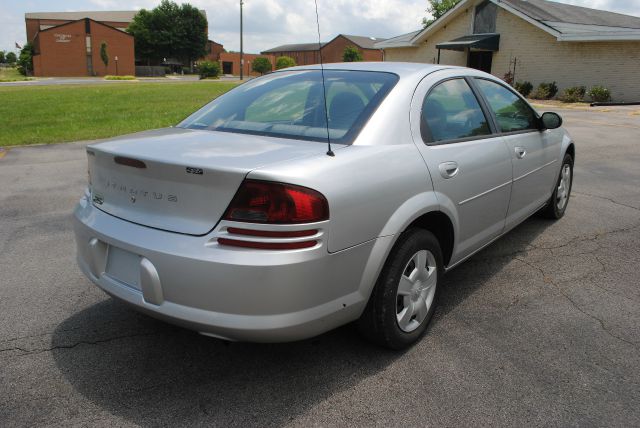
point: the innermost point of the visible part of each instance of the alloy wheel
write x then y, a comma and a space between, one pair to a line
416, 290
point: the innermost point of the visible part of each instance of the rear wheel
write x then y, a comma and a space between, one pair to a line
557, 204
404, 297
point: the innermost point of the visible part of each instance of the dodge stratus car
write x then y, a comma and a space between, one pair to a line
241, 223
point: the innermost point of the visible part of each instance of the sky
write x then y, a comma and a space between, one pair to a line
269, 23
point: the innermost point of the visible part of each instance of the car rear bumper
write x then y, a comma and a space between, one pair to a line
227, 292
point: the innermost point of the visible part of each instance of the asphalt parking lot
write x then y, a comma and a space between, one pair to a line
541, 328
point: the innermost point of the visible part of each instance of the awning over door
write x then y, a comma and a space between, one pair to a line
487, 42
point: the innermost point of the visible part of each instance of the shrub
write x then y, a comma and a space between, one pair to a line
599, 94
351, 54
284, 62
261, 65
209, 69
574, 94
10, 58
508, 77
110, 77
524, 88
545, 91
104, 56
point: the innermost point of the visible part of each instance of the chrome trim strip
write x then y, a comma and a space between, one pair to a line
484, 193
534, 170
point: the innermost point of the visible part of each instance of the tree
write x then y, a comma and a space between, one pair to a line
436, 9
169, 31
104, 56
1, 57
261, 65
284, 62
25, 60
351, 54
10, 58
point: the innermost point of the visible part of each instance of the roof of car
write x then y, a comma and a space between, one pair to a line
399, 68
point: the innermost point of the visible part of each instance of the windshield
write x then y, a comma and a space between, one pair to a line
291, 105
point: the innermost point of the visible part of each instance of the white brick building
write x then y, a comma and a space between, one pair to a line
542, 41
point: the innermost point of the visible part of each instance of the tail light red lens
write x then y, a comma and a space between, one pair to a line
269, 202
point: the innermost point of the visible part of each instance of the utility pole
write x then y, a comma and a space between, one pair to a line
241, 47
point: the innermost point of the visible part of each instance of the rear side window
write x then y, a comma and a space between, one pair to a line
452, 112
512, 113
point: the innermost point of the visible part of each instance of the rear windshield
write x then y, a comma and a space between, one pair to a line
291, 105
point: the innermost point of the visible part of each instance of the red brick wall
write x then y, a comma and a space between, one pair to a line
334, 50
215, 49
119, 44
234, 58
69, 58
301, 57
62, 58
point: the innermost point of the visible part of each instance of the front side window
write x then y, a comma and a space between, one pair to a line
451, 112
291, 105
512, 113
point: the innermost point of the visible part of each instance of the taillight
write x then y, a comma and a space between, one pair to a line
277, 203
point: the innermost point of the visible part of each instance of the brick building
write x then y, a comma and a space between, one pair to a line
535, 40
68, 43
230, 63
73, 49
332, 51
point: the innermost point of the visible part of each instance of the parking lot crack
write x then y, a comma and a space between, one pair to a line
613, 201
72, 345
549, 280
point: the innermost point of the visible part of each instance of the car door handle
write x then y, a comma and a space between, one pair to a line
521, 152
449, 169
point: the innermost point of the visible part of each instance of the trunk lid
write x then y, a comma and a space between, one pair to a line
188, 176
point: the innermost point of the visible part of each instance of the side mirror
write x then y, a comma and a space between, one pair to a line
550, 120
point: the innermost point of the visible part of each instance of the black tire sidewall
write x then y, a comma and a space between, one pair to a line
559, 213
411, 241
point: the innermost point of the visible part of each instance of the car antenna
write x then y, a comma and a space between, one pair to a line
324, 89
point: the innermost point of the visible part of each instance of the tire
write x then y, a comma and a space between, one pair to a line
405, 296
557, 204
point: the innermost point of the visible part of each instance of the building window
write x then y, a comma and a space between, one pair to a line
485, 18
88, 43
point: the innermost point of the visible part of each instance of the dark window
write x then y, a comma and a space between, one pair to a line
291, 105
512, 113
485, 18
451, 111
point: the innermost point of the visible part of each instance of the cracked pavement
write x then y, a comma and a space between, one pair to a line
540, 328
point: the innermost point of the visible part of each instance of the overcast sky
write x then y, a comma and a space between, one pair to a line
269, 23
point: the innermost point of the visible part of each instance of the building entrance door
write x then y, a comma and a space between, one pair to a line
480, 60
227, 67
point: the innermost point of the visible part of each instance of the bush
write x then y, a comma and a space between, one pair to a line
524, 88
351, 54
508, 77
599, 94
10, 58
209, 69
261, 65
284, 62
109, 77
545, 91
574, 94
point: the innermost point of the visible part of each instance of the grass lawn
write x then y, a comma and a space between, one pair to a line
11, 75
57, 113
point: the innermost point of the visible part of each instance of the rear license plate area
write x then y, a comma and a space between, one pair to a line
124, 266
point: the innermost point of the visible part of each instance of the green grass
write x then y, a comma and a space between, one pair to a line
58, 113
11, 75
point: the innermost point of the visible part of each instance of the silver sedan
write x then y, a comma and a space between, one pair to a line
307, 199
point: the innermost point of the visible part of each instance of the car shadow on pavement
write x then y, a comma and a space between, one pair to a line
151, 373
